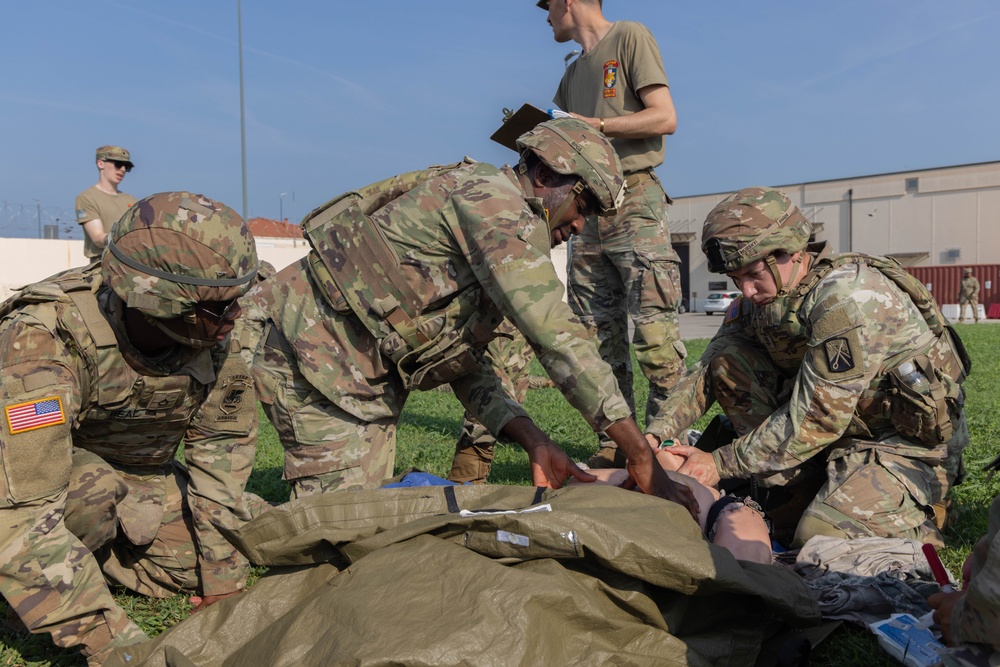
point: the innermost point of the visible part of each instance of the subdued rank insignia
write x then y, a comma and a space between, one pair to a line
838, 355
236, 388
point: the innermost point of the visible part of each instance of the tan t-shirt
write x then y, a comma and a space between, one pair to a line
603, 83
95, 204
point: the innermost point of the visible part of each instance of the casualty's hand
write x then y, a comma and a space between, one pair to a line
943, 604
699, 464
200, 602
550, 466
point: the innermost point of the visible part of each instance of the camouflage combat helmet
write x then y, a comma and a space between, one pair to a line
967, 271
570, 146
173, 250
751, 225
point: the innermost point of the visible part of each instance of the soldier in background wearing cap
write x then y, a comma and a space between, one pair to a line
101, 205
623, 266
968, 293
106, 369
405, 285
839, 374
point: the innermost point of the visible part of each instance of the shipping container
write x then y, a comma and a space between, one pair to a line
945, 281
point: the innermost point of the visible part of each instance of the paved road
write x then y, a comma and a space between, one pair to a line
699, 325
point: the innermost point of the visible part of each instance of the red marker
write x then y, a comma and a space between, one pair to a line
937, 568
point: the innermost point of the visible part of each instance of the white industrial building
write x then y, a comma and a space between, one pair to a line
946, 216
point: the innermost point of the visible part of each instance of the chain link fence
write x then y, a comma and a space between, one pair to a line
37, 221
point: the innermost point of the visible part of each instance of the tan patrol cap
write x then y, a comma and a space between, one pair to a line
116, 153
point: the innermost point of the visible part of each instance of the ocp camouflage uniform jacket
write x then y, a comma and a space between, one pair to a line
851, 328
51, 349
468, 233
976, 617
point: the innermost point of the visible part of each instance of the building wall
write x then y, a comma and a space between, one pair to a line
949, 216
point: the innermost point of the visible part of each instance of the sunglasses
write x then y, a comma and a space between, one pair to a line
219, 311
120, 165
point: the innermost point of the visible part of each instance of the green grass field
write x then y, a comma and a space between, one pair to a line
427, 433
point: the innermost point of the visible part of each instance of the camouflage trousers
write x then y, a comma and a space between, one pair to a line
623, 267
511, 357
971, 303
880, 488
137, 526
136, 522
326, 447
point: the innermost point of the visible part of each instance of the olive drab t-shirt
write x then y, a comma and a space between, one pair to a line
604, 83
95, 204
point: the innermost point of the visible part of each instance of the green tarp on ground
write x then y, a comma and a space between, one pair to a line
578, 576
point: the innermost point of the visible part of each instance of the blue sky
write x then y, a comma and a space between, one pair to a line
339, 94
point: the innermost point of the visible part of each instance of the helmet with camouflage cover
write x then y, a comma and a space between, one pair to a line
571, 146
752, 225
173, 250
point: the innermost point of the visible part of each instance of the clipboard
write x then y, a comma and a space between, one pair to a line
523, 120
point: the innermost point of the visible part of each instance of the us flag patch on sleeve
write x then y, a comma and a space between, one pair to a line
35, 414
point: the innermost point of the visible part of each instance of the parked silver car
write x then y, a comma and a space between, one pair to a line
718, 302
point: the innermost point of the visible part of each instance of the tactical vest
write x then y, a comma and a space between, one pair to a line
926, 413
126, 418
357, 271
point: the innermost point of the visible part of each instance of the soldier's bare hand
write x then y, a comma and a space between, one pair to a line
653, 481
699, 464
200, 602
943, 604
550, 465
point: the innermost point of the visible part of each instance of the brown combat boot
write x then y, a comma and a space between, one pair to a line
607, 457
471, 464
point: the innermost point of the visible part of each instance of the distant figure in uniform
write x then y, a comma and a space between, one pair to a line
968, 293
101, 205
839, 374
406, 284
623, 266
106, 369
970, 618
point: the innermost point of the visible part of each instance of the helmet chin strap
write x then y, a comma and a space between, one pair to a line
772, 264
526, 184
564, 206
187, 341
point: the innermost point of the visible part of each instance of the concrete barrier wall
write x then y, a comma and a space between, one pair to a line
26, 261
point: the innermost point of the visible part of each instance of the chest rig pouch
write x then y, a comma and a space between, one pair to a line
358, 272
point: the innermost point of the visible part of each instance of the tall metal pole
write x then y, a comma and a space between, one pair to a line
38, 207
243, 129
281, 206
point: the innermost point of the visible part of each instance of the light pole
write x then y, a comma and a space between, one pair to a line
38, 207
281, 206
243, 130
